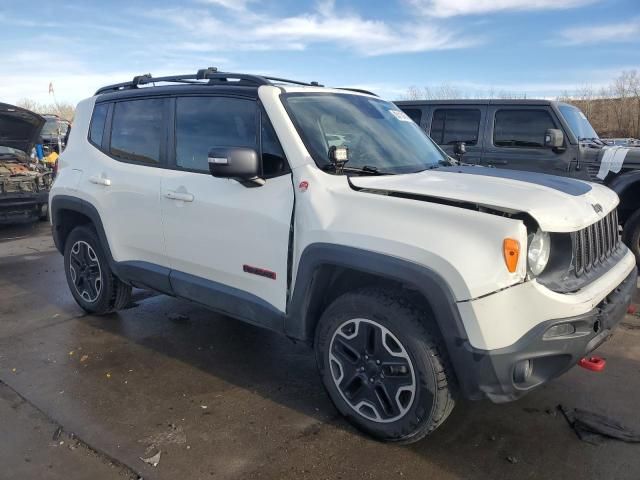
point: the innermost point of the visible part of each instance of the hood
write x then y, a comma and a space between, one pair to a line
558, 204
19, 128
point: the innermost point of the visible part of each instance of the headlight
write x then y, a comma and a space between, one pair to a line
538, 252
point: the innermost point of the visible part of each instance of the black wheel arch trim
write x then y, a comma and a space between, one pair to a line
300, 323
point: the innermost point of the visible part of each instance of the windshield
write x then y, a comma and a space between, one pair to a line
53, 127
578, 122
378, 135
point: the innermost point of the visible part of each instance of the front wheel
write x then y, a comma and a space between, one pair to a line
383, 365
94, 287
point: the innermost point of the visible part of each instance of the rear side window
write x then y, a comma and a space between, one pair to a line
137, 130
521, 128
203, 123
451, 125
414, 114
98, 120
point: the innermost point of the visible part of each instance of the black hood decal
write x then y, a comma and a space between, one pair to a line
569, 186
19, 128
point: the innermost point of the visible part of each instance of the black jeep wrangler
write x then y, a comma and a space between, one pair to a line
535, 135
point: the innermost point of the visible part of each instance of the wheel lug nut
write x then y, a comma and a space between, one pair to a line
366, 357
377, 362
362, 369
371, 379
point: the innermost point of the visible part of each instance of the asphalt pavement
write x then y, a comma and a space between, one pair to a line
94, 397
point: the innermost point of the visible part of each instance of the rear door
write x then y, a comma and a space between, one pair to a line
223, 236
122, 176
515, 140
451, 124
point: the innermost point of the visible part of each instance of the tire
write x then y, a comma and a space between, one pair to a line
631, 234
371, 325
44, 213
92, 283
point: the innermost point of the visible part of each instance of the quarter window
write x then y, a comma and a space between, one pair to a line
136, 131
521, 128
98, 121
452, 125
274, 162
206, 122
414, 114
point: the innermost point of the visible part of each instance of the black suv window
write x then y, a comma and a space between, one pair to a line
274, 162
206, 122
137, 130
451, 125
414, 114
521, 128
98, 120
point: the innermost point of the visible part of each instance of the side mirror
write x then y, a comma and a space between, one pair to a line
553, 138
238, 163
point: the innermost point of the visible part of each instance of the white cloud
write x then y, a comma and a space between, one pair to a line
450, 8
326, 24
612, 32
237, 5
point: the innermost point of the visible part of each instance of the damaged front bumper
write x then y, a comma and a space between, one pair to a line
549, 349
22, 207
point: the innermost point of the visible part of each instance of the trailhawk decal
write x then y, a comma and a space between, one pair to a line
612, 160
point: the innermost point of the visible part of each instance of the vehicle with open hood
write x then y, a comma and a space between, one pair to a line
24, 184
327, 215
539, 136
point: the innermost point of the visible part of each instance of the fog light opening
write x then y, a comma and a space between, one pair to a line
523, 370
561, 330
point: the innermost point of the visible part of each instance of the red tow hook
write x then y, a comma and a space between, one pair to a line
595, 364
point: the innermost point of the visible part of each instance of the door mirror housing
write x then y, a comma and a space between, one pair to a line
238, 163
553, 138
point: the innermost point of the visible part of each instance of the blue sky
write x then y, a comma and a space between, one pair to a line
537, 47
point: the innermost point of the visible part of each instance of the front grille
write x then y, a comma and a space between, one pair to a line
594, 244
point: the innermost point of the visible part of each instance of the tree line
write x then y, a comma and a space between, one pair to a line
613, 110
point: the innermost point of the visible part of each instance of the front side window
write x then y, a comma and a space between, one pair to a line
98, 120
203, 123
521, 128
453, 125
137, 130
377, 133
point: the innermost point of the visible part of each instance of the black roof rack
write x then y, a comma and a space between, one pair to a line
211, 74
359, 90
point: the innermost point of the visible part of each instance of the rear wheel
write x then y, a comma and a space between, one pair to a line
382, 365
92, 283
631, 234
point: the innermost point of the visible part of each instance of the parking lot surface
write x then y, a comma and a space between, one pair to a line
225, 400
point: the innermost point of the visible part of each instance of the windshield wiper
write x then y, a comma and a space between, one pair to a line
595, 140
364, 170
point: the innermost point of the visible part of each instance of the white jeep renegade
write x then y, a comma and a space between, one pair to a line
329, 216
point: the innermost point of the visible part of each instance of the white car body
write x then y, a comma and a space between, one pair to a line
209, 227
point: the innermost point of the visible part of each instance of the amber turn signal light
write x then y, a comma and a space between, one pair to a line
511, 250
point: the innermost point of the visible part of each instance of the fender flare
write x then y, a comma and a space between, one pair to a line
620, 183
60, 203
300, 324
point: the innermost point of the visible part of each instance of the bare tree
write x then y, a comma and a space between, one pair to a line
62, 109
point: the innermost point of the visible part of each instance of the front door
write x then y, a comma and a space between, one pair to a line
222, 235
515, 140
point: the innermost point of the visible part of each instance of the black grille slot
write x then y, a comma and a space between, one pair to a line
596, 243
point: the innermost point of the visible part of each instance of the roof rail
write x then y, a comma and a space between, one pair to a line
359, 90
211, 74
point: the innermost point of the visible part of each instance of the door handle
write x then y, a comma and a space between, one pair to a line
497, 162
185, 197
100, 181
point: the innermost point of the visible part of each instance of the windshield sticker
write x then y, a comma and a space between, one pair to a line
612, 160
400, 115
